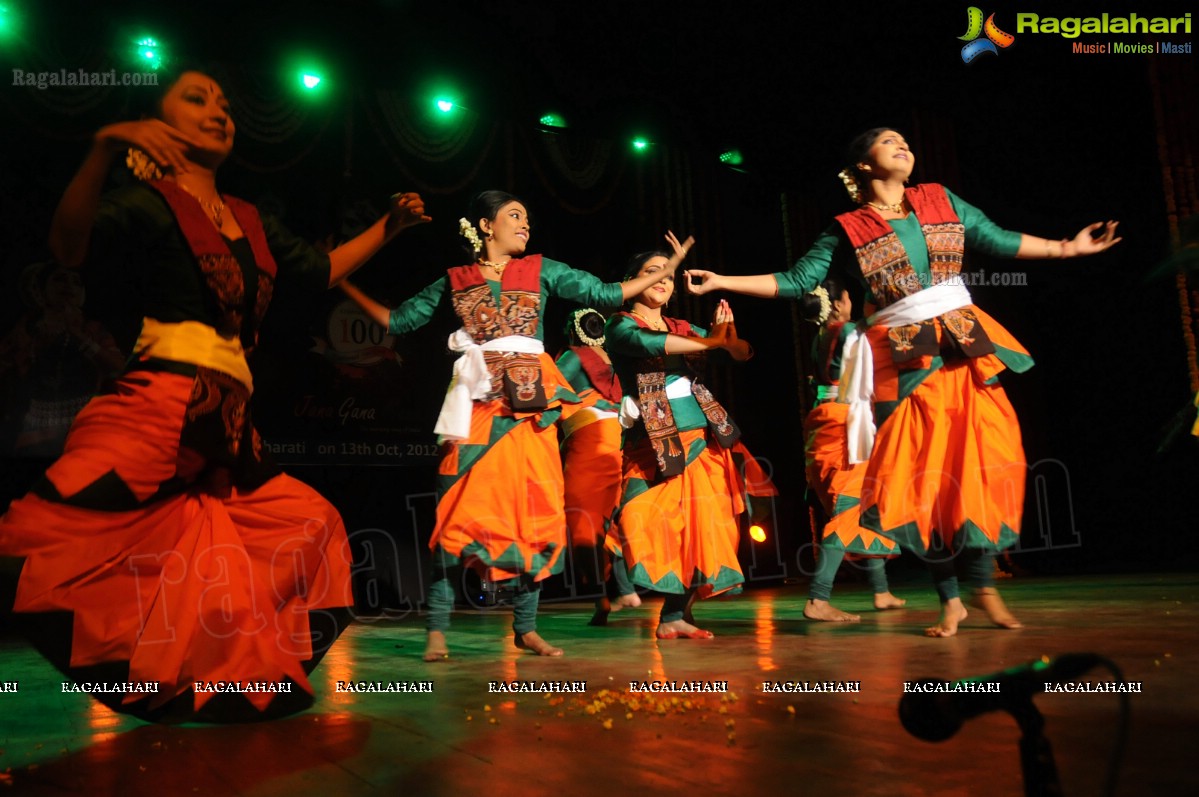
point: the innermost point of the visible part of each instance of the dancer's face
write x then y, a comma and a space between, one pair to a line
889, 156
842, 308
196, 106
509, 231
658, 294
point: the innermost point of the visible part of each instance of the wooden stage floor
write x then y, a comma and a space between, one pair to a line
462, 740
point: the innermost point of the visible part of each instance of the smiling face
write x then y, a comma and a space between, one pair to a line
658, 294
889, 156
508, 232
196, 106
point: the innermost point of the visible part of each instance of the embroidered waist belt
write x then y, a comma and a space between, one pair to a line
857, 359
472, 380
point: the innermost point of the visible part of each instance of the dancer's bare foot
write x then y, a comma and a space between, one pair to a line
987, 599
533, 641
823, 610
681, 629
952, 613
885, 600
630, 601
435, 647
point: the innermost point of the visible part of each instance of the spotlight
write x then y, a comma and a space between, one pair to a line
444, 105
148, 52
552, 120
310, 80
641, 144
731, 157
757, 533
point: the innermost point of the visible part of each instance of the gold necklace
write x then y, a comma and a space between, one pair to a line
215, 210
897, 207
499, 267
658, 325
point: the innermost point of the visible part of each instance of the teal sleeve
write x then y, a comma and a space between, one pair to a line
625, 338
576, 286
982, 233
811, 269
572, 368
416, 312
300, 263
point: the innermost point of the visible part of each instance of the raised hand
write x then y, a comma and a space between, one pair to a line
680, 250
407, 210
708, 281
1086, 244
164, 144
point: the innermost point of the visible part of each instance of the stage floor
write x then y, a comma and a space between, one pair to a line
461, 739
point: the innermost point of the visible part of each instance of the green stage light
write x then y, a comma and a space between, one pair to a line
148, 52
8, 20
731, 158
444, 105
310, 80
552, 120
641, 144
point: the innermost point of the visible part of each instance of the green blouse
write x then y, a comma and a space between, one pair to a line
557, 279
628, 343
832, 246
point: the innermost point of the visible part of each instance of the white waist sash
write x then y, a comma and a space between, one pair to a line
630, 411
857, 360
472, 379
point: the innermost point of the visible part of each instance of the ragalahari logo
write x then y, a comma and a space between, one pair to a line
995, 38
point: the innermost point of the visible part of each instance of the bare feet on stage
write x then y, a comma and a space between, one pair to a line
533, 641
952, 613
681, 629
885, 600
987, 599
823, 610
630, 601
435, 647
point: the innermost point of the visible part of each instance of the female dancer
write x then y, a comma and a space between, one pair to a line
184, 555
681, 492
837, 484
948, 468
500, 485
591, 460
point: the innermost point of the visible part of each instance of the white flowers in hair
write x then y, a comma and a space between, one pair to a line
826, 304
467, 231
584, 338
142, 167
851, 185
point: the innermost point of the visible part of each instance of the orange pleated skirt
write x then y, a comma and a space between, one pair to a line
591, 466
683, 532
190, 587
500, 508
948, 466
837, 484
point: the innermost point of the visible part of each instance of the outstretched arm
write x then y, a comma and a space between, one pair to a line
761, 285
1084, 243
407, 210
636, 286
375, 311
71, 228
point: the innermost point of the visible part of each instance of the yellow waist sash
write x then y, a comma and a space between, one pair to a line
194, 343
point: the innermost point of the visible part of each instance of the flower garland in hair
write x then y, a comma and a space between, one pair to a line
142, 166
851, 185
584, 338
826, 304
467, 231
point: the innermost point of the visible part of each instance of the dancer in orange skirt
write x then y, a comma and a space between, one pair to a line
164, 547
682, 493
500, 507
591, 461
836, 483
946, 478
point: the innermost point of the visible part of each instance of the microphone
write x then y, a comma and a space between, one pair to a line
934, 709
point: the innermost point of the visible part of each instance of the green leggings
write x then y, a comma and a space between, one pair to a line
441, 601
826, 569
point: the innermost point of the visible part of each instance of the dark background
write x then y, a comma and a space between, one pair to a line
1043, 140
